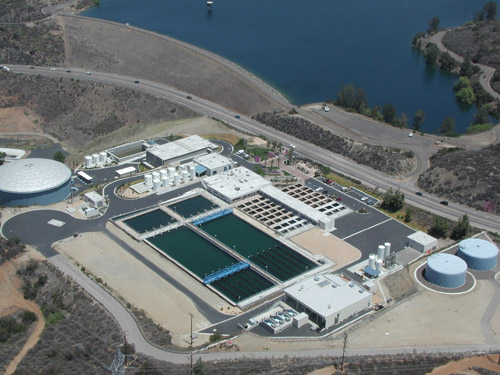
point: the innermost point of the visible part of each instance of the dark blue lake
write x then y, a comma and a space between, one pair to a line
308, 49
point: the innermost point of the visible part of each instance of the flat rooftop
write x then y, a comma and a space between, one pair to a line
236, 183
326, 294
181, 147
422, 238
212, 161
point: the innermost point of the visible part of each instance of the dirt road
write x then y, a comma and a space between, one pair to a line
12, 300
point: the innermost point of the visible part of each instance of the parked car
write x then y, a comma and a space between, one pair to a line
189, 97
419, 193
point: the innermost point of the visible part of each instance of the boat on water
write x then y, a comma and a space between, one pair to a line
210, 3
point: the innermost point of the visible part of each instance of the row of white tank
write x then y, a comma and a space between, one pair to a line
376, 261
169, 176
96, 160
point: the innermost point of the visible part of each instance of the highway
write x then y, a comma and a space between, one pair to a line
338, 163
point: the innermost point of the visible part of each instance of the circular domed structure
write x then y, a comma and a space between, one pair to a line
480, 255
446, 270
34, 181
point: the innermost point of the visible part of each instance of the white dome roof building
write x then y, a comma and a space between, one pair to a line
29, 182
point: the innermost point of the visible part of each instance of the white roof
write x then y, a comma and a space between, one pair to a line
33, 175
181, 147
125, 170
319, 294
94, 196
422, 238
212, 161
295, 204
236, 183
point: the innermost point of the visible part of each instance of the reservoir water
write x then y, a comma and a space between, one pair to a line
308, 49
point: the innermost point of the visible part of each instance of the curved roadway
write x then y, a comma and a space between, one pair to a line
204, 107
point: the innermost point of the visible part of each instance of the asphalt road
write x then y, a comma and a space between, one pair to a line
204, 107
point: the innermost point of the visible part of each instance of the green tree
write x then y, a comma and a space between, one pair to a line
393, 201
389, 113
199, 367
448, 63
59, 156
481, 117
431, 53
479, 16
439, 227
466, 95
447, 126
352, 98
466, 68
402, 121
490, 11
409, 215
418, 120
462, 83
2, 157
375, 113
433, 25
461, 229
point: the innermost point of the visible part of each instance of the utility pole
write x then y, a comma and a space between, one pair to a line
343, 352
191, 340
125, 347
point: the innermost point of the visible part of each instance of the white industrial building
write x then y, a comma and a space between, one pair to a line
328, 299
212, 164
301, 209
422, 242
95, 199
182, 150
236, 184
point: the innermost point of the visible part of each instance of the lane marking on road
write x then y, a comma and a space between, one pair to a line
364, 230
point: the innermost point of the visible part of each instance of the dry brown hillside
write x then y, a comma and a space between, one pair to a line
76, 112
467, 177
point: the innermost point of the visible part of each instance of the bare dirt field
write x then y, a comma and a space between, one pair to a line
125, 49
16, 119
137, 284
12, 300
464, 366
332, 247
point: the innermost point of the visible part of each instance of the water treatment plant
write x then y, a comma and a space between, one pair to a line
302, 258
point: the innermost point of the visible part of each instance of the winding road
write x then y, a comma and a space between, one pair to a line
339, 163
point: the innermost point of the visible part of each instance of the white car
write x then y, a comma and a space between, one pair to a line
410, 135
53, 69
326, 109
88, 73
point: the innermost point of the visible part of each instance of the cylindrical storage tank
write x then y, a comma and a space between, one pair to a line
102, 157
156, 185
446, 270
185, 175
378, 264
182, 168
96, 158
163, 173
148, 179
387, 250
176, 179
193, 173
480, 255
164, 182
171, 171
156, 176
381, 251
88, 161
371, 260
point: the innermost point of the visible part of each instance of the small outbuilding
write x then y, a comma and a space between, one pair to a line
480, 255
422, 242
